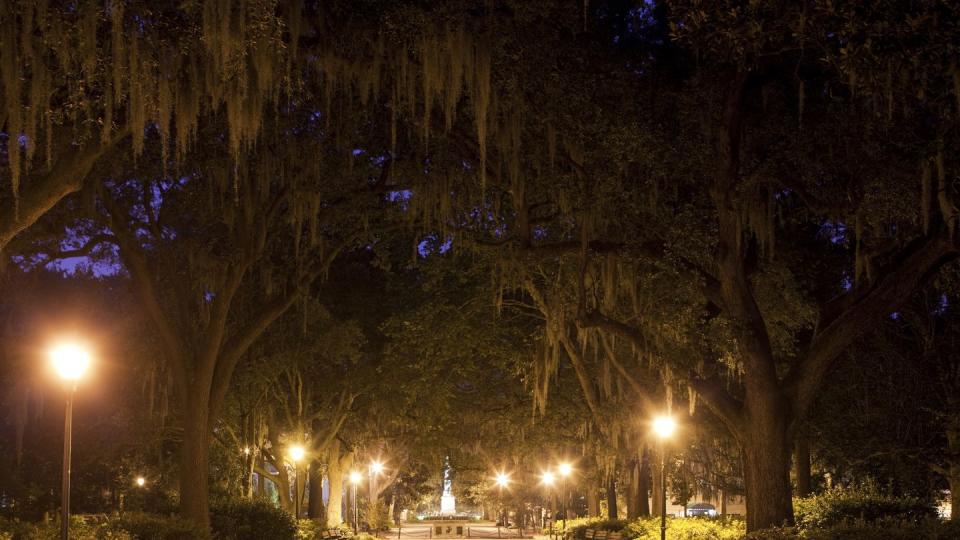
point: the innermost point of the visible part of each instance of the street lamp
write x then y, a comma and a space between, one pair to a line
548, 479
565, 470
296, 454
70, 362
502, 479
355, 478
663, 427
375, 469
141, 481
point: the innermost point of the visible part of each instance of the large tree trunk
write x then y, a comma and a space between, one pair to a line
612, 496
633, 492
766, 467
593, 498
802, 464
194, 467
643, 485
335, 478
315, 502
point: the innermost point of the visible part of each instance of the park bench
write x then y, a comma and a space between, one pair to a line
598, 534
594, 534
331, 534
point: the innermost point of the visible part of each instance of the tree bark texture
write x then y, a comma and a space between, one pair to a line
643, 485
802, 464
612, 497
315, 497
194, 467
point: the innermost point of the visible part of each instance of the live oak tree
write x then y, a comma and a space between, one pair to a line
681, 169
793, 122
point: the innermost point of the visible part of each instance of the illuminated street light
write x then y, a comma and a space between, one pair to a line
70, 362
141, 481
355, 478
502, 480
375, 470
663, 427
296, 454
565, 470
547, 478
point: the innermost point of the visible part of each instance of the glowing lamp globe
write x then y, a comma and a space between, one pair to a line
502, 479
296, 453
376, 467
547, 478
664, 426
141, 481
355, 477
70, 361
565, 469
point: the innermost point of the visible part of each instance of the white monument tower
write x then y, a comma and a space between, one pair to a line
448, 503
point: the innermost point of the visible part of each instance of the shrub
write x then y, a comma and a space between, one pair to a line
378, 517
250, 520
864, 503
311, 529
142, 526
80, 529
578, 527
884, 529
687, 529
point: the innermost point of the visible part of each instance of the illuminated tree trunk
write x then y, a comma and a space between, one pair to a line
315, 507
335, 478
593, 499
643, 485
633, 492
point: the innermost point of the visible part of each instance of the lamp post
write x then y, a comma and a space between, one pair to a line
376, 468
663, 427
355, 478
296, 454
71, 362
502, 480
565, 470
548, 480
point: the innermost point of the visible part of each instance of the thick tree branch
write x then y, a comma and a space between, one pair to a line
43, 191
136, 262
862, 308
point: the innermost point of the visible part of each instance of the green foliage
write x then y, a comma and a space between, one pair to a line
578, 527
80, 529
677, 529
308, 529
687, 529
250, 520
378, 516
863, 503
880, 530
143, 526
